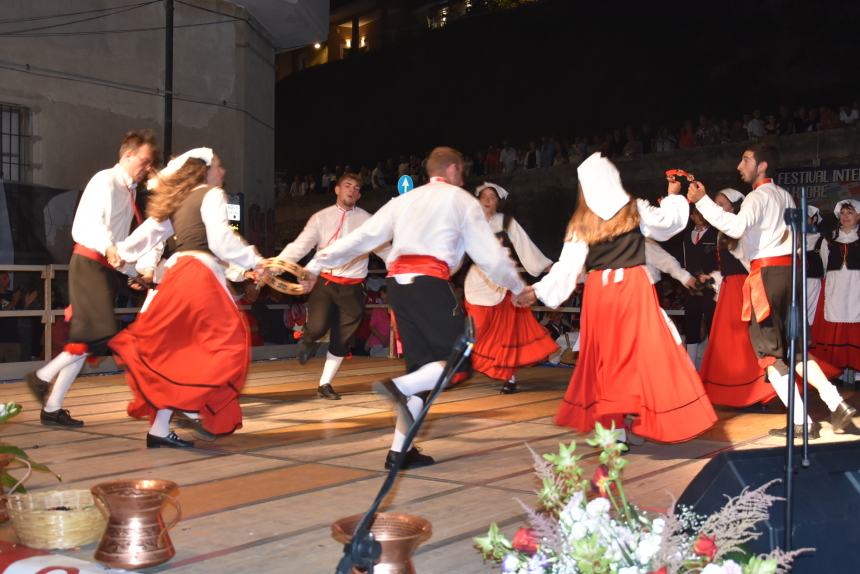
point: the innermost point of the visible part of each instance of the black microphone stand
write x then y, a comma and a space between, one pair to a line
798, 327
362, 551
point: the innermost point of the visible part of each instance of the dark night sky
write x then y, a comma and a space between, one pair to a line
567, 67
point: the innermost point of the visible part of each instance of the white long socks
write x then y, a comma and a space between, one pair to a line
826, 390
780, 385
415, 404
332, 364
424, 379
55, 365
65, 377
161, 425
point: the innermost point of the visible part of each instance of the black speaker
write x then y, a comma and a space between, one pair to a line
826, 501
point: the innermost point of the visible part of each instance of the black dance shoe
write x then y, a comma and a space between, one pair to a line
327, 392
841, 417
392, 394
60, 418
38, 388
412, 459
172, 440
307, 351
509, 387
183, 421
814, 431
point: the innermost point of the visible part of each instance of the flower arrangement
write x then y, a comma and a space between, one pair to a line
17, 457
583, 526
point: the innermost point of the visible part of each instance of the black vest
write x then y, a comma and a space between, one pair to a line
843, 253
729, 264
189, 231
624, 251
814, 264
700, 258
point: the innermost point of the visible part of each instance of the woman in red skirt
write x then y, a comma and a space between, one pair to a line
189, 349
506, 337
730, 369
836, 329
631, 360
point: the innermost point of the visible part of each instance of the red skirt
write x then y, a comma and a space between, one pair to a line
730, 368
507, 337
836, 343
630, 362
189, 351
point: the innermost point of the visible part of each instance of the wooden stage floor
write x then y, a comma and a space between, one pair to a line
262, 500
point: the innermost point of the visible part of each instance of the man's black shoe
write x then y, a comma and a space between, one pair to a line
412, 459
841, 417
327, 392
814, 431
389, 390
183, 421
172, 440
60, 418
307, 351
38, 387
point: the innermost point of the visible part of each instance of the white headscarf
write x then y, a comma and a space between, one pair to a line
853, 202
812, 211
500, 191
601, 186
732, 195
204, 154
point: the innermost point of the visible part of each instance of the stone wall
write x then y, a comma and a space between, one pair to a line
543, 199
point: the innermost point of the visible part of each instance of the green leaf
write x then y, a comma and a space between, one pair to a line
757, 565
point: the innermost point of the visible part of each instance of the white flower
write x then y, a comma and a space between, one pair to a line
732, 567
658, 525
578, 531
713, 569
2, 410
597, 507
510, 564
629, 570
648, 546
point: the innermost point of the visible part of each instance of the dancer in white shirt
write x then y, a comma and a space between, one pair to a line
430, 228
103, 218
336, 303
766, 241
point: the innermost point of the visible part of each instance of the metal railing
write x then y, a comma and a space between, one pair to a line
47, 314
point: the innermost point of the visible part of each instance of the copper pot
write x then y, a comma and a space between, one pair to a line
398, 534
136, 535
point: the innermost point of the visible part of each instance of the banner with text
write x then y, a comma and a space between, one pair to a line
825, 185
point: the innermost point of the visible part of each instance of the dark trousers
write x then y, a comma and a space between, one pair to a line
698, 316
336, 308
92, 292
429, 319
770, 337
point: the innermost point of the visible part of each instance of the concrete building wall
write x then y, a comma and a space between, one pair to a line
84, 89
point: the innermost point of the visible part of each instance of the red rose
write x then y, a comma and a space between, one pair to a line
706, 546
600, 481
524, 541
662, 570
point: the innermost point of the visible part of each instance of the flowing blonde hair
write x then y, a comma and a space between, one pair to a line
587, 226
171, 191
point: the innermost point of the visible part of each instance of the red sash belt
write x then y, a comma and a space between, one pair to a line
341, 280
91, 254
754, 293
420, 264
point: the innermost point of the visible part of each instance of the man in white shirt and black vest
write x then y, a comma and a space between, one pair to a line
700, 260
336, 303
760, 226
430, 227
103, 218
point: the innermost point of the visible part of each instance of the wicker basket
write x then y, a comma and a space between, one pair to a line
57, 519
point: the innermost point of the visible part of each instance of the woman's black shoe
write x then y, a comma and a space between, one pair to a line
172, 440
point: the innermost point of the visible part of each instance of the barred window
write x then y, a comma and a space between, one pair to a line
13, 135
